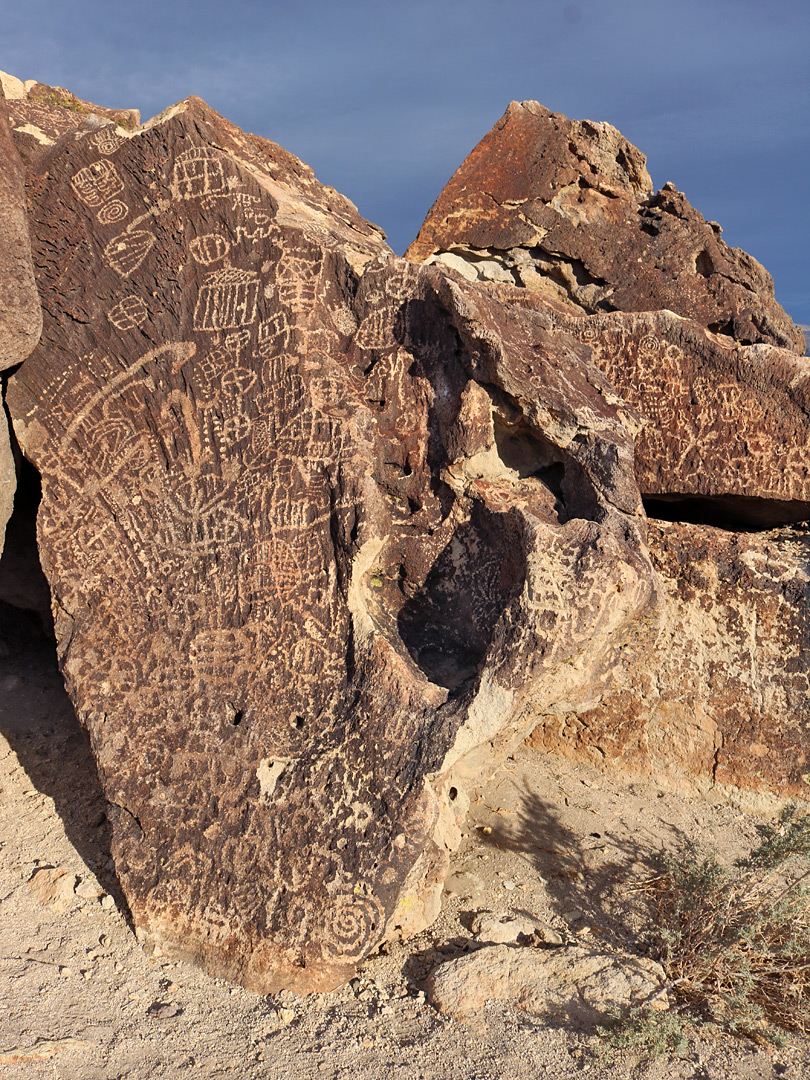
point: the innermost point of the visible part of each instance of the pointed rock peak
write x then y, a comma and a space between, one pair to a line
566, 208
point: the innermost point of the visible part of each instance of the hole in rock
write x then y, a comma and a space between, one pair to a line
298, 722
738, 513
704, 265
447, 625
452, 794
532, 457
237, 717
36, 716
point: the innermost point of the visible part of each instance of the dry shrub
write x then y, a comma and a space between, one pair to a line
734, 942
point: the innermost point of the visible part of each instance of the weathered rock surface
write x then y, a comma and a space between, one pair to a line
573, 986
567, 209
718, 691
325, 531
42, 114
20, 315
727, 426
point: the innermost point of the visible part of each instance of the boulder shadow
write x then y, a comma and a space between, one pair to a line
36, 716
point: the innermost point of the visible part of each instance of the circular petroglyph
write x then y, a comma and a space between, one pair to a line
129, 314
108, 140
210, 247
113, 211
353, 925
650, 345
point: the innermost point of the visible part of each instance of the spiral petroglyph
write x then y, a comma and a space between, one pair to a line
353, 924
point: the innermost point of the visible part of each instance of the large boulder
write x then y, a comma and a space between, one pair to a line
566, 208
20, 315
325, 533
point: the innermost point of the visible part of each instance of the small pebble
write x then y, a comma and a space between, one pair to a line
66, 972
107, 902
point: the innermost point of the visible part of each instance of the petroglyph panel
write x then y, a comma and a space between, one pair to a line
250, 517
722, 421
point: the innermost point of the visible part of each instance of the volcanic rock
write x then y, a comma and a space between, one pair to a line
325, 533
567, 208
20, 316
717, 691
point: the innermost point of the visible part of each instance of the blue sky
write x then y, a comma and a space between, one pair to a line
384, 100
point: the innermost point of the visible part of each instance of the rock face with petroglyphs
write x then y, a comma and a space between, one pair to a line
716, 691
325, 531
20, 315
567, 209
726, 426
40, 115
715, 688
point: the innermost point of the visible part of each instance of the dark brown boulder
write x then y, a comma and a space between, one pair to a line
325, 533
567, 209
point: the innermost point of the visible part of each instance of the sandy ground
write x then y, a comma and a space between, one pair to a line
82, 1001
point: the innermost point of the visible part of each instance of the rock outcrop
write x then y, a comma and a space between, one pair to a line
42, 114
716, 690
566, 208
572, 987
325, 533
20, 315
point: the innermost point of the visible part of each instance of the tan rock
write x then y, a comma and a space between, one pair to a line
572, 986
717, 691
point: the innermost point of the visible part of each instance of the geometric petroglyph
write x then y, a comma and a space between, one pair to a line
112, 212
238, 380
208, 248
198, 172
227, 299
129, 313
96, 183
355, 924
108, 140
128, 250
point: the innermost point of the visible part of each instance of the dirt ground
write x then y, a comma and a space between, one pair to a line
83, 1002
